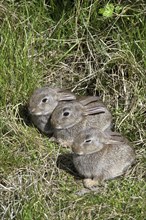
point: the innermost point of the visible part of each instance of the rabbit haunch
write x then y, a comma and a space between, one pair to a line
42, 103
69, 118
101, 156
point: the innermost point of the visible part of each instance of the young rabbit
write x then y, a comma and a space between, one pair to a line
42, 103
69, 118
100, 156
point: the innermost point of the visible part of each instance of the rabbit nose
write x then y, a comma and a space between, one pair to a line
33, 110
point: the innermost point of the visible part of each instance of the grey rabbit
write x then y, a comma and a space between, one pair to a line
99, 156
42, 103
68, 118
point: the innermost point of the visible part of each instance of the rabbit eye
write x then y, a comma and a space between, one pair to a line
44, 100
88, 141
65, 113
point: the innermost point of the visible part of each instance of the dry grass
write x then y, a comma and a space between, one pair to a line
69, 46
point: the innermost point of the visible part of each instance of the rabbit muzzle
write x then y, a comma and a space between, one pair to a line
57, 127
32, 111
35, 111
76, 151
79, 153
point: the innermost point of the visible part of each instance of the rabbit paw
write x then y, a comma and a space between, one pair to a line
90, 183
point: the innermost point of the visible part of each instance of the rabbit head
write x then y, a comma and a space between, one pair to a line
91, 140
44, 100
68, 114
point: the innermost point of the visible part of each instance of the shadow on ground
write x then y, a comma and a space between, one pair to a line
65, 162
24, 113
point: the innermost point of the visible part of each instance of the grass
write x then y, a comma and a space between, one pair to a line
69, 44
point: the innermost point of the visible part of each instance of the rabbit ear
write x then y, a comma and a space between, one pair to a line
88, 99
114, 137
65, 95
92, 110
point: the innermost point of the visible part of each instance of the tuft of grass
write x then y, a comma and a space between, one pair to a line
70, 44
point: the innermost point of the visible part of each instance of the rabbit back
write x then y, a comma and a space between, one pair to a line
102, 120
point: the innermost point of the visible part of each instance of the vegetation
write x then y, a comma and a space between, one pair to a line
92, 47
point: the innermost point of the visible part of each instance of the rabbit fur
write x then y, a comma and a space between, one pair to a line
99, 156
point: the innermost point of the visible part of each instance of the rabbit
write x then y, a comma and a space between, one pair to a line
68, 118
42, 103
99, 156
